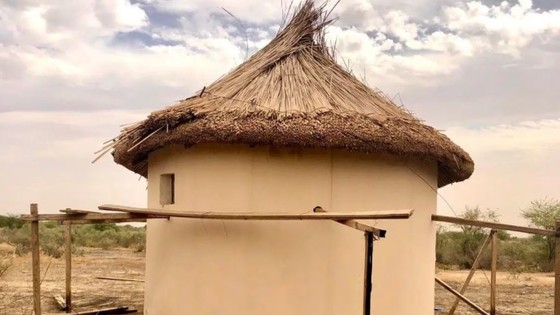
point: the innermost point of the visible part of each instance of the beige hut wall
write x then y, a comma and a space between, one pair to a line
288, 267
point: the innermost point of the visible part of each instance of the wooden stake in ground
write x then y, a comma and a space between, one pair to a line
493, 275
36, 270
557, 272
68, 254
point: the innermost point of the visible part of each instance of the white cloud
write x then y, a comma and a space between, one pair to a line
530, 136
510, 28
46, 158
514, 164
439, 45
71, 118
248, 10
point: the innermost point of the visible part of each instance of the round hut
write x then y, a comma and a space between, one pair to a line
288, 130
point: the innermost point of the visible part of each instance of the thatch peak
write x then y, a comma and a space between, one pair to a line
292, 93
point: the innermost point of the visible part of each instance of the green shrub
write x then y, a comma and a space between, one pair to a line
11, 221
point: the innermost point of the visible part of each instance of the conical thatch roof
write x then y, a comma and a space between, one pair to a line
292, 93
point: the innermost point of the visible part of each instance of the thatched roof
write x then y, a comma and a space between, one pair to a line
292, 93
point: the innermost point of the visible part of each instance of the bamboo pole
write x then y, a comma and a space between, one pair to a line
35, 260
382, 214
463, 298
557, 271
493, 275
68, 254
493, 225
471, 273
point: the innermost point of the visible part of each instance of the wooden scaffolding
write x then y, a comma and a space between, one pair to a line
70, 217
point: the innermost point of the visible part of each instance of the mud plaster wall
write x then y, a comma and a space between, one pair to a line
280, 267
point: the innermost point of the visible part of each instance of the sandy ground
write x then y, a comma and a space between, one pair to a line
517, 294
528, 293
87, 291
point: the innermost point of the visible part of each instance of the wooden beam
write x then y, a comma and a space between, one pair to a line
35, 262
68, 256
557, 272
386, 214
493, 273
92, 217
356, 225
471, 273
463, 298
492, 225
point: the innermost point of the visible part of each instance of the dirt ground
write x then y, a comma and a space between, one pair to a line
517, 294
87, 292
527, 293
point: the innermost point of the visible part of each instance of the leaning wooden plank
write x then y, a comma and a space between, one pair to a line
474, 267
104, 311
462, 297
492, 225
385, 214
91, 217
356, 225
120, 279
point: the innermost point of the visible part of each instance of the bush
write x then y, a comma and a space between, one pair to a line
11, 221
51, 238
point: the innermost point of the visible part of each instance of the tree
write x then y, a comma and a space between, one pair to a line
473, 236
544, 213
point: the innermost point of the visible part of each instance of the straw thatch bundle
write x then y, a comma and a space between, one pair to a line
292, 93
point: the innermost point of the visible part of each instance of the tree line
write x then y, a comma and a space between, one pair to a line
457, 248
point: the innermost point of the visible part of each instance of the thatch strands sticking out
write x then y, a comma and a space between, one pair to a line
293, 93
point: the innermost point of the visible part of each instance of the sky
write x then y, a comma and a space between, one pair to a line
72, 73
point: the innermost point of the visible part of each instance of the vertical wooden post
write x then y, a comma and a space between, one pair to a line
68, 254
557, 271
493, 275
36, 270
368, 267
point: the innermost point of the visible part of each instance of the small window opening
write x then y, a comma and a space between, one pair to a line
167, 189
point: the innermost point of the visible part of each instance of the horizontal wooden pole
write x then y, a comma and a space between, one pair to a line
120, 279
76, 211
110, 310
356, 225
492, 225
122, 217
386, 214
462, 297
107, 221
